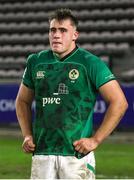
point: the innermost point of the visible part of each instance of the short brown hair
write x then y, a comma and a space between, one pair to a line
63, 14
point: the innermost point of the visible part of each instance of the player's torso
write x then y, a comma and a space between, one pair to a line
63, 104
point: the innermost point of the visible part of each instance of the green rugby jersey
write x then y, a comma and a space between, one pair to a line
65, 95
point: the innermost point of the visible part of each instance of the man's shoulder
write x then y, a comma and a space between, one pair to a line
88, 56
44, 54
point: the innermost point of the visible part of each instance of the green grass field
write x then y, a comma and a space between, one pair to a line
113, 160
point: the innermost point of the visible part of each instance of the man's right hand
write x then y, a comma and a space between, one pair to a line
28, 145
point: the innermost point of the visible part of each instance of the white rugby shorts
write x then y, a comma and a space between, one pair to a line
63, 167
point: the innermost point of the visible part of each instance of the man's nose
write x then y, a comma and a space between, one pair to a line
56, 34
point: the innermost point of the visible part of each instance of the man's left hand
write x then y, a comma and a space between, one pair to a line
85, 145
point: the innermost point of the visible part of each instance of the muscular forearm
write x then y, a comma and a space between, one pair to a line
114, 96
24, 115
111, 119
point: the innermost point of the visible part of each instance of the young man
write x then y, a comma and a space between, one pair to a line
64, 81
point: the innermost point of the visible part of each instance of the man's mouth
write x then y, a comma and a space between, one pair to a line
56, 43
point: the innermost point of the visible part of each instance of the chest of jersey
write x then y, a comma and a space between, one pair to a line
61, 91
60, 79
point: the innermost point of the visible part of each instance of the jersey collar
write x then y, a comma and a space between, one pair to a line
65, 57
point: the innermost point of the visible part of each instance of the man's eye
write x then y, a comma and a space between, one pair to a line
52, 30
63, 30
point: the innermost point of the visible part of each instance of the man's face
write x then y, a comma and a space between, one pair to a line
62, 36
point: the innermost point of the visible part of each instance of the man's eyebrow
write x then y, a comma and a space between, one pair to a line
52, 28
60, 28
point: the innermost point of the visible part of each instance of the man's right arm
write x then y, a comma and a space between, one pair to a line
24, 114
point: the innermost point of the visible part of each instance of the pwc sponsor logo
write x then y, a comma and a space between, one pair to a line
50, 100
62, 90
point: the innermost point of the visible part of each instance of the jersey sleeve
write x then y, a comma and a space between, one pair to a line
100, 73
27, 78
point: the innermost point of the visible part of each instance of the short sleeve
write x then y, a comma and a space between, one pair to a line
27, 78
100, 73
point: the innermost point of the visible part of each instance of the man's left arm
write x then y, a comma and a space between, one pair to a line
117, 105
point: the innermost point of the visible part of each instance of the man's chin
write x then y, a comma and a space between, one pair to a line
56, 51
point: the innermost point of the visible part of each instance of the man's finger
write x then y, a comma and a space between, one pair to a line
28, 145
27, 149
81, 150
77, 143
31, 144
77, 148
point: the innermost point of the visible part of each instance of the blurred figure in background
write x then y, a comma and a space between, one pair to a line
65, 81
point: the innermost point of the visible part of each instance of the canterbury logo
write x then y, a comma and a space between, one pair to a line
50, 100
40, 74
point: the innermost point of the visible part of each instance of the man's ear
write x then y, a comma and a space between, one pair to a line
76, 35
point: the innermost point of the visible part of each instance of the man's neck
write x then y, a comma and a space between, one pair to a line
62, 58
